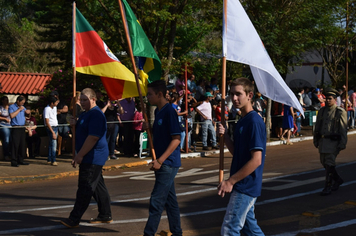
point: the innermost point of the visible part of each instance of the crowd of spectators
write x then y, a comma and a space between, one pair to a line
124, 118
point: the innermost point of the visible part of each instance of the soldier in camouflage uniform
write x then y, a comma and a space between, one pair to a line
330, 137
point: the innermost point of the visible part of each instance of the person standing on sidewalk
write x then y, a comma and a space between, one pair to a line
330, 137
205, 113
18, 136
51, 123
166, 139
248, 150
92, 152
129, 106
5, 127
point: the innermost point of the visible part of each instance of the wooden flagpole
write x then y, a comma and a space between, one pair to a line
223, 122
74, 77
137, 79
186, 107
223, 92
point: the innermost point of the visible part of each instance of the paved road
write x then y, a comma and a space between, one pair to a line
290, 201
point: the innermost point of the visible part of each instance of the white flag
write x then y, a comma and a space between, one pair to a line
241, 43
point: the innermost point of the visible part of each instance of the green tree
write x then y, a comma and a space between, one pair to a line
19, 49
289, 28
334, 47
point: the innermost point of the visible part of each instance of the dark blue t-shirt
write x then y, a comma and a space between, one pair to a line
165, 125
249, 134
92, 122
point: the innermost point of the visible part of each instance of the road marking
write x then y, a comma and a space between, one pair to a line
127, 174
118, 201
181, 174
294, 184
307, 215
214, 179
328, 227
320, 229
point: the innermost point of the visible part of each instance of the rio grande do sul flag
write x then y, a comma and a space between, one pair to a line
241, 43
92, 56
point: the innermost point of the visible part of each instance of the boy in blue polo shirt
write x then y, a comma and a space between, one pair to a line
166, 140
91, 154
248, 149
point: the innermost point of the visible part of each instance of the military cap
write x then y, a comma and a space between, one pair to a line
331, 92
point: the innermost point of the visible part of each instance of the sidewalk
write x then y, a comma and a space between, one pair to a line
40, 170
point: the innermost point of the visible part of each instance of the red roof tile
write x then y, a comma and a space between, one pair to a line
23, 83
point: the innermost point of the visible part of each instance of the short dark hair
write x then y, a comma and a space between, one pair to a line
20, 98
158, 86
4, 97
54, 93
52, 99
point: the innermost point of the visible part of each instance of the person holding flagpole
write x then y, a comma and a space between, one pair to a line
166, 140
248, 150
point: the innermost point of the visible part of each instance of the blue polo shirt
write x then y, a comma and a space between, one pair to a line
165, 125
20, 118
92, 122
249, 134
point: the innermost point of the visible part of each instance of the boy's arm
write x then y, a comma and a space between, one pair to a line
255, 161
54, 136
156, 164
89, 143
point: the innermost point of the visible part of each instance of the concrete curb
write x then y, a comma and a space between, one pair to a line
21, 179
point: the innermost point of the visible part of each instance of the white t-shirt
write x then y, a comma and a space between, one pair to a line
51, 114
205, 108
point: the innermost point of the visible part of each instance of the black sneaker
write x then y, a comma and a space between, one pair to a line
24, 163
216, 147
69, 223
206, 148
336, 185
99, 220
326, 191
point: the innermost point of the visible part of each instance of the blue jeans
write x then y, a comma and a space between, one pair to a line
182, 139
63, 131
164, 195
52, 146
5, 139
240, 216
298, 122
351, 117
190, 124
206, 127
111, 136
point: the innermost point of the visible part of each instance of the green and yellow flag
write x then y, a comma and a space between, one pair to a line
149, 63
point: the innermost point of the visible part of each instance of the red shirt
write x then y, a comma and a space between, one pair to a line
321, 96
218, 113
137, 124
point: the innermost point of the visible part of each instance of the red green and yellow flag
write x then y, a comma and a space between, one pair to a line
93, 57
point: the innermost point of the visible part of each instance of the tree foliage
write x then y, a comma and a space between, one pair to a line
289, 28
39, 33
